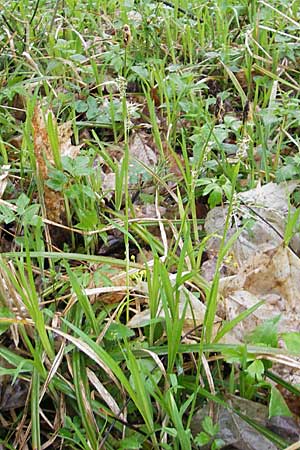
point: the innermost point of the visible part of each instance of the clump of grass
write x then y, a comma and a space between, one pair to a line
216, 88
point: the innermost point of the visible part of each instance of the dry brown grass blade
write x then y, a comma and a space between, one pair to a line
8, 294
4, 178
88, 351
104, 394
53, 201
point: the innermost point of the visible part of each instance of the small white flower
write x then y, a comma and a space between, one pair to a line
121, 83
243, 147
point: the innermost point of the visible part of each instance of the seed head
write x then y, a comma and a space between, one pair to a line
247, 113
127, 37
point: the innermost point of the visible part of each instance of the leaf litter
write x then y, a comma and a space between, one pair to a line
53, 201
142, 154
237, 433
247, 277
264, 268
259, 267
189, 307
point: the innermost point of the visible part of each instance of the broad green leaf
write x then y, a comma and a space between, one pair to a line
277, 405
117, 331
256, 370
292, 341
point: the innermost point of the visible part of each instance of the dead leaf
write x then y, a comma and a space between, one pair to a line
42, 147
268, 207
14, 395
104, 394
234, 431
272, 276
112, 288
264, 268
65, 132
16, 141
148, 211
174, 160
54, 202
285, 427
270, 196
140, 149
9, 295
108, 184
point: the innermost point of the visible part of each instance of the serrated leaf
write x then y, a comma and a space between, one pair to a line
202, 438
22, 202
209, 427
266, 333
57, 180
